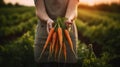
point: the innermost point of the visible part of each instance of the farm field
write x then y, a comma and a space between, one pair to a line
98, 32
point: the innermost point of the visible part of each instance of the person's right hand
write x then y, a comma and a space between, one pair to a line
49, 24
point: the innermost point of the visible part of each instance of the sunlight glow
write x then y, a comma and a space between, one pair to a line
88, 2
21, 2
94, 2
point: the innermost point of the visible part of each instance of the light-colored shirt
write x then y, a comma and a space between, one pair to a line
57, 8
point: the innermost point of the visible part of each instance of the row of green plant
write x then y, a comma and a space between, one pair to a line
16, 29
11, 10
104, 14
97, 18
15, 18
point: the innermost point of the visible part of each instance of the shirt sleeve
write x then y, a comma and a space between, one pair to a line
78, 1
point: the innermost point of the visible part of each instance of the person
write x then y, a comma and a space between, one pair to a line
47, 11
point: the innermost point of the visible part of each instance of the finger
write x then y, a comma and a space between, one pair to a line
69, 23
47, 28
50, 25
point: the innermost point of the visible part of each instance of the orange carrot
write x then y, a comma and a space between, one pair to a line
51, 47
56, 48
48, 40
64, 51
50, 50
60, 39
67, 35
54, 40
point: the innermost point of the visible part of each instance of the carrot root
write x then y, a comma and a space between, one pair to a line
69, 41
60, 40
47, 41
64, 51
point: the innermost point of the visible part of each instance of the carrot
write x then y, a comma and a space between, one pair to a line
50, 50
54, 40
52, 44
60, 39
64, 51
56, 48
48, 40
67, 35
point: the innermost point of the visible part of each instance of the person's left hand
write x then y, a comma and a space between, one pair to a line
68, 23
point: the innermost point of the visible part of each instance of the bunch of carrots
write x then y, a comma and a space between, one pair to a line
56, 40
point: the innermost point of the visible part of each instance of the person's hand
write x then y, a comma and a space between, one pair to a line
49, 24
68, 23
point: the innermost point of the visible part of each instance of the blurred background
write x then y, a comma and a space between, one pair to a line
98, 24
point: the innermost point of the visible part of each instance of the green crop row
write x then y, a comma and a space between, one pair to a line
15, 18
11, 10
113, 16
22, 27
